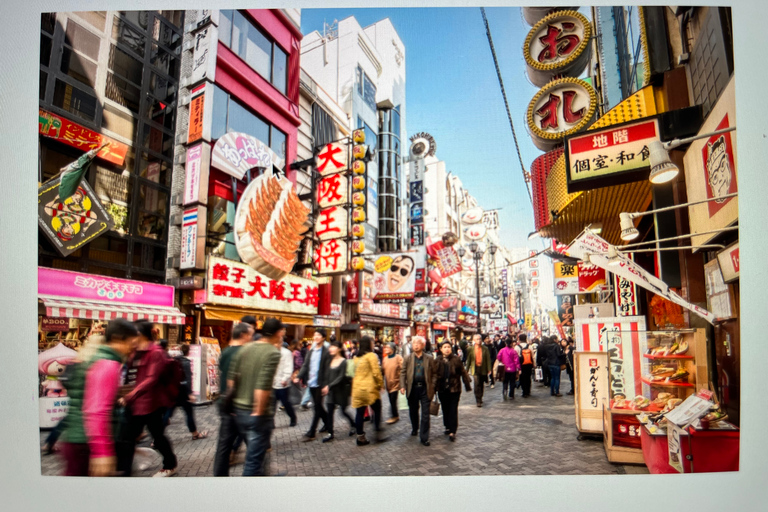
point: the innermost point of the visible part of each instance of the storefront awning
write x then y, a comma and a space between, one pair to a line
233, 314
70, 308
379, 320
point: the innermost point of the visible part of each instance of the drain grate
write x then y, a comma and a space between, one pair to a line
547, 421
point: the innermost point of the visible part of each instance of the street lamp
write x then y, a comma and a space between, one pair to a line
477, 255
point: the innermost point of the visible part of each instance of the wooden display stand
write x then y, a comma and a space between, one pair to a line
616, 453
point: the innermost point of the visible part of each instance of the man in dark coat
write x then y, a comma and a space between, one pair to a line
314, 374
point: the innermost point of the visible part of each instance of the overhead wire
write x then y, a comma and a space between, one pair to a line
506, 103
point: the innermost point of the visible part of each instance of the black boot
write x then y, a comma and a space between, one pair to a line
362, 441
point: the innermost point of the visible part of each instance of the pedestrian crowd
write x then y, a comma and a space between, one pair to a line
125, 381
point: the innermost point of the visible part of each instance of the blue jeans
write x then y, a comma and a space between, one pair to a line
305, 398
554, 379
225, 444
256, 436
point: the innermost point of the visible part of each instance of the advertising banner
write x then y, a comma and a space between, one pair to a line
592, 385
236, 284
491, 306
74, 222
710, 171
625, 296
446, 259
556, 322
591, 278
196, 113
197, 170
565, 309
49, 324
395, 277
729, 262
434, 309
193, 238
592, 246
504, 283
621, 338
72, 134
353, 289
236, 153
566, 278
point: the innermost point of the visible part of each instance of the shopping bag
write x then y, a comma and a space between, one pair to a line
434, 407
402, 401
539, 375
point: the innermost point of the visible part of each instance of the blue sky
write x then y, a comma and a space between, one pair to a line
453, 93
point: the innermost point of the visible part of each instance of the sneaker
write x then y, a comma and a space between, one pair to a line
414, 432
164, 473
324, 429
305, 407
569, 393
493, 386
390, 421
328, 438
293, 423
308, 437
558, 394
362, 441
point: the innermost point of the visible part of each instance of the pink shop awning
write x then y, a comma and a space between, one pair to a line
71, 308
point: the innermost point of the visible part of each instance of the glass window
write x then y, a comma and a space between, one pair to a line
82, 40
219, 121
148, 257
48, 22
280, 70
369, 92
173, 16
153, 204
97, 19
74, 100
108, 249
166, 35
154, 169
277, 142
225, 27
114, 191
138, 18
45, 50
43, 84
157, 140
239, 33
119, 214
359, 80
241, 120
395, 122
78, 67
161, 88
258, 52
124, 65
127, 35
163, 61
123, 93
161, 113
118, 122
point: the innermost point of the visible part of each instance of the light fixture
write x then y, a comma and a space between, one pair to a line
662, 168
492, 249
473, 246
461, 251
613, 256
629, 231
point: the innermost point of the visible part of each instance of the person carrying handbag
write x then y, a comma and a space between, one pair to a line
446, 379
510, 364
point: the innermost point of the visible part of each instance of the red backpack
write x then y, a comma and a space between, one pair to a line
171, 378
527, 355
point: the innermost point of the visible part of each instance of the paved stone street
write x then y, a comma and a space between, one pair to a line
533, 436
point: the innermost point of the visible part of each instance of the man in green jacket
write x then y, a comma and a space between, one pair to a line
478, 365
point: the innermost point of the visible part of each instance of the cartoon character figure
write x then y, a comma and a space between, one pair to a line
72, 215
52, 364
719, 173
49, 124
399, 272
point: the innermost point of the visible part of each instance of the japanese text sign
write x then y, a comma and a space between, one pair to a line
204, 54
332, 223
561, 108
193, 238
72, 134
74, 285
592, 385
333, 190
566, 278
729, 262
557, 45
446, 259
197, 170
610, 156
196, 113
331, 256
236, 153
236, 284
332, 158
591, 278
625, 295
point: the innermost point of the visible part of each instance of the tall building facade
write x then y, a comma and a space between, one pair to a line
363, 71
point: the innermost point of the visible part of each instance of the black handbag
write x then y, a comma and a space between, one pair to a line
434, 407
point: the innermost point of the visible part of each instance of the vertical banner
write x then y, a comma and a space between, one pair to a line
674, 433
592, 385
196, 113
195, 357
625, 295
565, 309
193, 238
206, 42
197, 169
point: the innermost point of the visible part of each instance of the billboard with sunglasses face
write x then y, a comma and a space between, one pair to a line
394, 278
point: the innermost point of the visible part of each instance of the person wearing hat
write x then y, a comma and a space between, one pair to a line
447, 377
251, 375
314, 374
392, 364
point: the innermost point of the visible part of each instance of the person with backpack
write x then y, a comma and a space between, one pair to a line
527, 360
89, 433
478, 365
146, 403
184, 397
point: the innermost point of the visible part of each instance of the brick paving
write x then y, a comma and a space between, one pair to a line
533, 436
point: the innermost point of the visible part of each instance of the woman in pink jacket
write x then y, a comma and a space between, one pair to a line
511, 361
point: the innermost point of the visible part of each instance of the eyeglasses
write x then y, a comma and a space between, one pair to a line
403, 271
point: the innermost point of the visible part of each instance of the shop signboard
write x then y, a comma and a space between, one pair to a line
331, 257
592, 385
332, 158
416, 191
231, 283
591, 278
565, 309
621, 338
557, 45
610, 156
417, 235
206, 42
491, 219
72, 134
472, 216
368, 307
475, 232
625, 296
592, 246
237, 153
51, 324
325, 321
200, 112
353, 289
188, 330
533, 263
74, 285
528, 321
562, 107
333, 190
499, 326
445, 257
74, 222
395, 276
566, 278
197, 170
729, 262
417, 213
193, 238
491, 305
332, 222
711, 171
